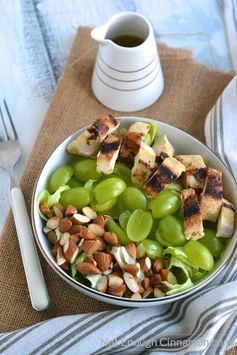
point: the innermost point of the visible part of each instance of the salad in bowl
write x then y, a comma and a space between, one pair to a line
129, 214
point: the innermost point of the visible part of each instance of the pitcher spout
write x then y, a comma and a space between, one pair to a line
99, 33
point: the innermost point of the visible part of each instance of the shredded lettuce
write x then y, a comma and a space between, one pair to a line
55, 197
89, 184
178, 253
179, 287
149, 139
80, 258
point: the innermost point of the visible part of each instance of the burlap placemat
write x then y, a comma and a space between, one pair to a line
190, 91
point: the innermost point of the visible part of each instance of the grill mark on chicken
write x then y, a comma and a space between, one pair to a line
161, 157
214, 186
191, 207
130, 147
109, 147
101, 126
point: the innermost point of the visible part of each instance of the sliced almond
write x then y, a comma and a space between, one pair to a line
145, 263
64, 238
91, 246
86, 233
117, 268
115, 280
59, 210
158, 264
103, 245
44, 208
131, 269
117, 290
155, 280
90, 259
168, 276
65, 266
60, 256
96, 229
141, 289
79, 218
70, 250
100, 220
89, 212
148, 273
87, 268
53, 222
103, 261
52, 237
132, 250
158, 293
111, 238
46, 230
55, 248
147, 293
102, 284
75, 229
131, 282
70, 210
136, 296
146, 283
65, 225
75, 238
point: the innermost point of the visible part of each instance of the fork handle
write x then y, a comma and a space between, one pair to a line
34, 275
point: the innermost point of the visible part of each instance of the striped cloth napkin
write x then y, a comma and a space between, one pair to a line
205, 323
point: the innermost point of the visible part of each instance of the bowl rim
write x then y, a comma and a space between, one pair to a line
115, 299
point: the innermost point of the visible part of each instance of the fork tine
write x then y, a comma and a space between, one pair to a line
4, 125
10, 119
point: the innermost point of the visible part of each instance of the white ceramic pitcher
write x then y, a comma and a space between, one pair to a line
127, 78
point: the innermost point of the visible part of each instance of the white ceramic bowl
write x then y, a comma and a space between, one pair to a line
183, 144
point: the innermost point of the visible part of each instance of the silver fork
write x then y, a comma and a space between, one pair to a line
10, 152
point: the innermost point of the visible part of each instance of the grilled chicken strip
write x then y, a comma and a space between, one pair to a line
167, 172
108, 154
88, 142
144, 164
211, 200
163, 148
132, 142
196, 170
193, 226
225, 225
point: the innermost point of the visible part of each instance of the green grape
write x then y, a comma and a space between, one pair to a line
113, 227
85, 170
160, 239
73, 182
139, 225
152, 248
60, 177
76, 196
104, 207
171, 230
199, 255
213, 243
123, 219
165, 203
133, 199
155, 224
123, 172
108, 189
